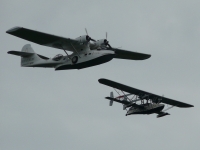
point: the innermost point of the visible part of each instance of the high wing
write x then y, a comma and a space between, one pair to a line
46, 39
124, 54
139, 92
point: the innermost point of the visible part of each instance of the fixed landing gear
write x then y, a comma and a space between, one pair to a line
75, 59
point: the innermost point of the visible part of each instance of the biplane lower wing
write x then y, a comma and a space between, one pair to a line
123, 54
140, 92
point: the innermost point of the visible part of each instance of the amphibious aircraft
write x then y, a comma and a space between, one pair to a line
84, 53
150, 103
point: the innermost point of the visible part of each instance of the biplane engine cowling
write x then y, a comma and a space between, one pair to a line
84, 39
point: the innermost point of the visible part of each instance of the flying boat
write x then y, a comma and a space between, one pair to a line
86, 51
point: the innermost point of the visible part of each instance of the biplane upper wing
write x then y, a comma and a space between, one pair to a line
139, 92
124, 54
45, 39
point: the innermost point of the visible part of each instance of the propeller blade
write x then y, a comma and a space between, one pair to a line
92, 40
86, 31
89, 38
109, 46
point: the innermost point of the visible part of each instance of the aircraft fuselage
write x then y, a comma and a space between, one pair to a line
74, 61
149, 108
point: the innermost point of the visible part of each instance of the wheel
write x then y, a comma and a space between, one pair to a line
74, 59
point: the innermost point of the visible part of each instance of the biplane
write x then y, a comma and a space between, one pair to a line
84, 53
149, 103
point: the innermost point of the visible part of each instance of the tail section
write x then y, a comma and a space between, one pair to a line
31, 59
28, 56
27, 48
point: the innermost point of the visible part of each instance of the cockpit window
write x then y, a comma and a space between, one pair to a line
58, 57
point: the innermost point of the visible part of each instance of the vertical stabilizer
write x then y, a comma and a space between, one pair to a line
28, 61
111, 95
27, 48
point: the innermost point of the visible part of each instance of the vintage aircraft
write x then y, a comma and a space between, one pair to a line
84, 54
152, 104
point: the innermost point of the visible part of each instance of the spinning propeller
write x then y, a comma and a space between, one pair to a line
106, 42
88, 37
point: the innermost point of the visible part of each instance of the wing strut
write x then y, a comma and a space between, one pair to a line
75, 50
116, 91
66, 53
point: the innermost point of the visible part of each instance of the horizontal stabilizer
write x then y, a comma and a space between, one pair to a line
25, 54
116, 100
22, 54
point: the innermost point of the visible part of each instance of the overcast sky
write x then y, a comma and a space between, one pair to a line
43, 109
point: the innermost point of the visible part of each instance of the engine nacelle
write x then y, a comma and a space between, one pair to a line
83, 39
102, 42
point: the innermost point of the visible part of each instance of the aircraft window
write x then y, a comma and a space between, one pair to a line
89, 53
85, 54
58, 57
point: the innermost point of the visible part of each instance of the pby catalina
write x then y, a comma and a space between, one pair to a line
152, 104
84, 53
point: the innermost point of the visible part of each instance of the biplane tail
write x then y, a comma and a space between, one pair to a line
112, 96
28, 56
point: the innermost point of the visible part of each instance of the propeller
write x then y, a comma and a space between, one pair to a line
88, 37
106, 42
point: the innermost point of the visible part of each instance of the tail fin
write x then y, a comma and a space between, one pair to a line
111, 95
27, 48
28, 56
31, 59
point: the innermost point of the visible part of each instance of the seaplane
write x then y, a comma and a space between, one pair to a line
149, 103
86, 52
